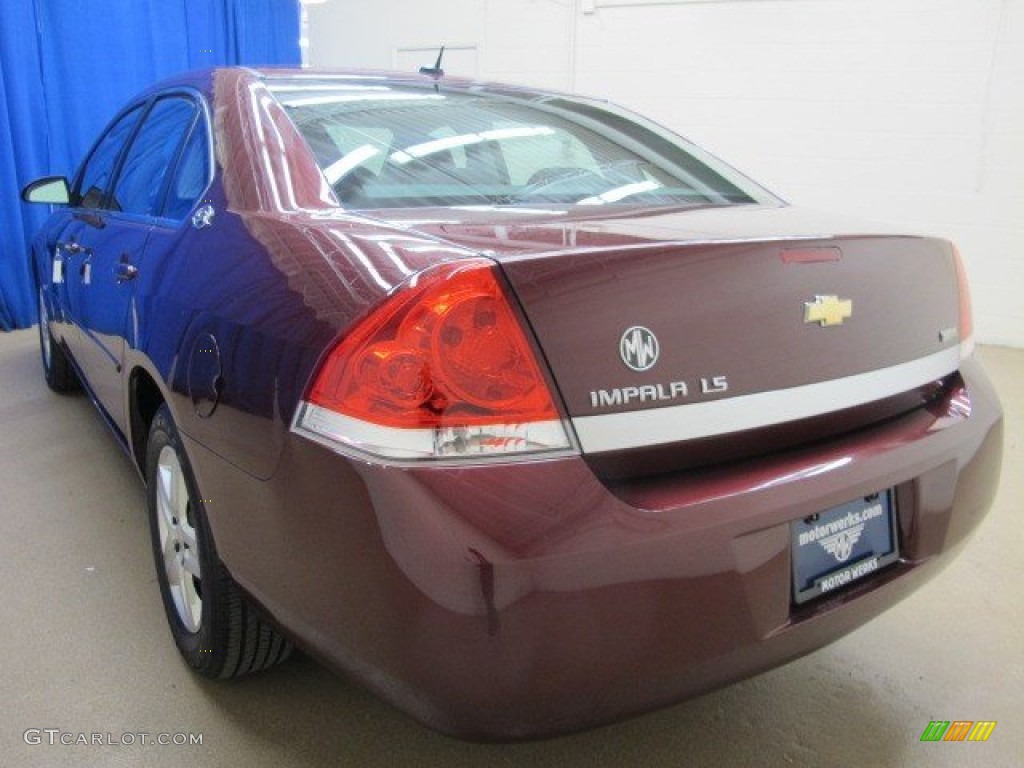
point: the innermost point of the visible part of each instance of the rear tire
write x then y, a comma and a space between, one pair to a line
57, 369
217, 631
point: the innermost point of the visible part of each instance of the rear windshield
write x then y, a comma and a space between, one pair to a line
386, 146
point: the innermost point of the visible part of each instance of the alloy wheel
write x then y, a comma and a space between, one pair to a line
178, 540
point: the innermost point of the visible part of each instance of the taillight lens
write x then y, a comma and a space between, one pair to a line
966, 329
441, 369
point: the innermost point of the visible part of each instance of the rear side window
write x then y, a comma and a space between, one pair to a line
190, 176
99, 168
140, 182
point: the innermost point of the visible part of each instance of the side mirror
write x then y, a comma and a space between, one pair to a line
49, 189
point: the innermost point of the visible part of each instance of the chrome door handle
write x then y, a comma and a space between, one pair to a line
125, 271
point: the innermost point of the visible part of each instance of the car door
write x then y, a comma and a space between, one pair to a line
113, 242
167, 289
81, 224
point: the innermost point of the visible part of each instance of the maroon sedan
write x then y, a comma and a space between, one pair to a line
513, 405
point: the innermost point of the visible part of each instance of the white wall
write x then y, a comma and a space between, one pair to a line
910, 111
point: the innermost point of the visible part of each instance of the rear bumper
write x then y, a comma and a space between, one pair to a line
521, 600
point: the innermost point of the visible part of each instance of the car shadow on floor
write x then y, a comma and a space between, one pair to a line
811, 712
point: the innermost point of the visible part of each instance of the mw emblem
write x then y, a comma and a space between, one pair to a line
638, 348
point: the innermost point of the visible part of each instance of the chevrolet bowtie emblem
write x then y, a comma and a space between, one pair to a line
827, 310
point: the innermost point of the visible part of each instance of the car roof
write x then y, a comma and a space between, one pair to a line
203, 80
274, 76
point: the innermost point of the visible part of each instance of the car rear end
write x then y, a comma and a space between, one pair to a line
538, 598
805, 473
607, 459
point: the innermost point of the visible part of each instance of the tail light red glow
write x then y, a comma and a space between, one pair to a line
441, 368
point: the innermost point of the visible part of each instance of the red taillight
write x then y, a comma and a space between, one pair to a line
444, 360
966, 329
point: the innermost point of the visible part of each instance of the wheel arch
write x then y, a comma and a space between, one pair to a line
145, 397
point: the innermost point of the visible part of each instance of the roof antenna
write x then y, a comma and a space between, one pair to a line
435, 71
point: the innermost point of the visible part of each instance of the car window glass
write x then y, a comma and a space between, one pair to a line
385, 146
530, 155
95, 175
340, 148
190, 176
139, 184
456, 150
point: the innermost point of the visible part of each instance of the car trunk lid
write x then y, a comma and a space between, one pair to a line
712, 327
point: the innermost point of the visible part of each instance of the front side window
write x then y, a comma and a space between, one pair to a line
95, 175
392, 146
140, 182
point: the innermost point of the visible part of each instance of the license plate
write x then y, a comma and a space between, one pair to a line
842, 545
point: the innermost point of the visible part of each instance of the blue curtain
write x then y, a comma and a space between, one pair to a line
66, 66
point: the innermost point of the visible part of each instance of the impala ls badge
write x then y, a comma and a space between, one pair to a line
827, 310
638, 348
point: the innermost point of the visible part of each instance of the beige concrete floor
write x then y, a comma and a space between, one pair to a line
84, 649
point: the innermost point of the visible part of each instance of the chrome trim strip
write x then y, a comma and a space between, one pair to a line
966, 348
393, 446
655, 426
